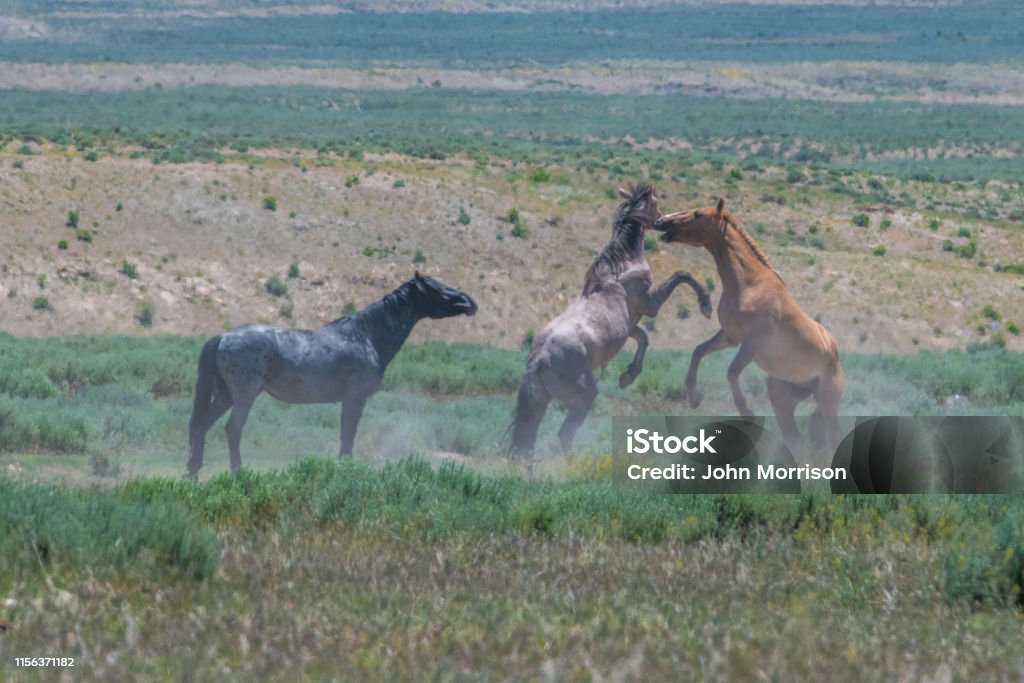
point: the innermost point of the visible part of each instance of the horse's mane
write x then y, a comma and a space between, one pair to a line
369, 318
626, 243
728, 218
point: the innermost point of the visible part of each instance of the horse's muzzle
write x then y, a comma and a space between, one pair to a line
467, 305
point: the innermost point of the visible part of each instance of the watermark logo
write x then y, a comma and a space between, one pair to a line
640, 441
887, 454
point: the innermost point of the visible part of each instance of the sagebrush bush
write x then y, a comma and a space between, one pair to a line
275, 286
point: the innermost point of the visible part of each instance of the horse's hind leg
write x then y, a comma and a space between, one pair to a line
715, 343
578, 405
531, 404
636, 366
239, 415
198, 429
351, 411
829, 396
785, 396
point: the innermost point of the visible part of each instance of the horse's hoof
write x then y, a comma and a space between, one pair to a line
706, 309
695, 398
191, 476
625, 379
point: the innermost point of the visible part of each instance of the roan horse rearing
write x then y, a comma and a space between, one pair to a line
342, 361
617, 291
757, 313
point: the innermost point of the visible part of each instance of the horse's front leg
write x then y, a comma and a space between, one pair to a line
636, 366
743, 358
657, 296
351, 411
718, 342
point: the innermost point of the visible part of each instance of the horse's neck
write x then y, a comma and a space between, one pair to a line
387, 325
735, 259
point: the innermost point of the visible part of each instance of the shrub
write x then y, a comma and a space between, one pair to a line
879, 250
861, 220
991, 313
463, 216
41, 303
287, 309
145, 313
418, 257
275, 286
72, 221
1012, 268
519, 230
399, 183
933, 224
1012, 328
885, 224
967, 251
83, 235
63, 244
947, 245
682, 311
293, 270
651, 244
128, 268
540, 175
270, 203
794, 176
349, 308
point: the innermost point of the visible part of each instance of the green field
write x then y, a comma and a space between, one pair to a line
339, 570
99, 405
391, 564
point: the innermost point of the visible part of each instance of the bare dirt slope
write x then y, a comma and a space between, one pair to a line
202, 245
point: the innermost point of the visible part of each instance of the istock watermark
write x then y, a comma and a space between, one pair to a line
887, 454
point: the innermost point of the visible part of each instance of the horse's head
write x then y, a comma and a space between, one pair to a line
438, 300
696, 227
640, 203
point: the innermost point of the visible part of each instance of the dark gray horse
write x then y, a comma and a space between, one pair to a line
342, 361
618, 290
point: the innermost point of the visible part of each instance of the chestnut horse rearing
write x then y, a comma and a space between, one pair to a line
757, 313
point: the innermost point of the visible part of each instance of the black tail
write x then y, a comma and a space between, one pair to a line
206, 378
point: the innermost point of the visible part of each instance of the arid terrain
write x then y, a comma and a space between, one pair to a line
204, 245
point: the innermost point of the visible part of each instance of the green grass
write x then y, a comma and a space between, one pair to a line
184, 124
411, 571
129, 399
396, 567
983, 33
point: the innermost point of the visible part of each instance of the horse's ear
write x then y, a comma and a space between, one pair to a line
624, 193
721, 205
